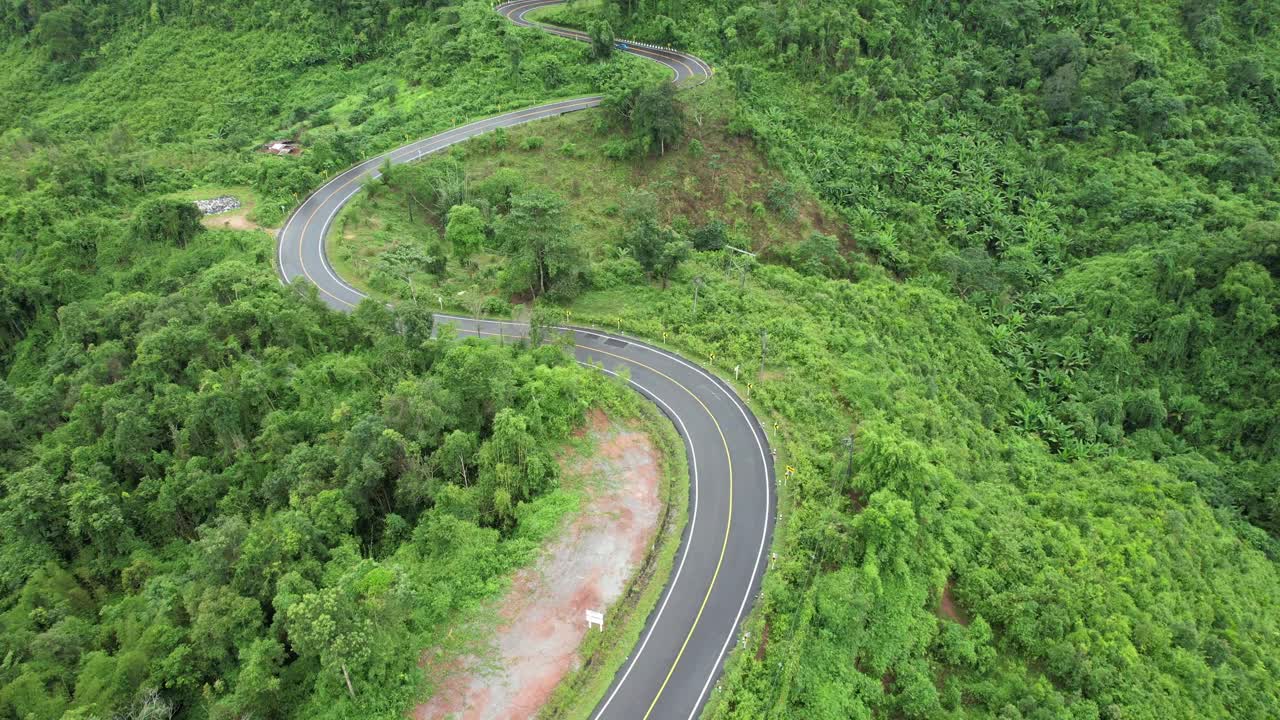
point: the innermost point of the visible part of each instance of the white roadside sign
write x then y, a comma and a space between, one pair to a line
595, 618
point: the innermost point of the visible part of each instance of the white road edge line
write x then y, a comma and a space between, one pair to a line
693, 522
376, 160
675, 579
764, 533
561, 105
369, 168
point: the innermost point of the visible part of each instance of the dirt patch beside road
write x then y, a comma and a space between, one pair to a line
587, 566
234, 220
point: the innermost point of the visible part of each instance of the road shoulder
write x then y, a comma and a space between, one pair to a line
540, 659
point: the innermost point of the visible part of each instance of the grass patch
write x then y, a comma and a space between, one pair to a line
244, 217
568, 15
712, 175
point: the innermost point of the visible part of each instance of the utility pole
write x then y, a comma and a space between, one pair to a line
764, 346
747, 259
697, 283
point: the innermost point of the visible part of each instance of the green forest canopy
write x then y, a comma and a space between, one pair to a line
1051, 332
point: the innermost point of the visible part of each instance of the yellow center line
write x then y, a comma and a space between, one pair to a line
724, 545
306, 225
658, 57
391, 154
577, 35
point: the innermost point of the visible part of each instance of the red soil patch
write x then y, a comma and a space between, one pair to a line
541, 619
948, 608
598, 423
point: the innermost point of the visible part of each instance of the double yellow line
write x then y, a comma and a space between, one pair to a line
576, 35
666, 59
302, 236
724, 544
662, 59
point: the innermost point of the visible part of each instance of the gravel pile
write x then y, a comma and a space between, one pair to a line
217, 205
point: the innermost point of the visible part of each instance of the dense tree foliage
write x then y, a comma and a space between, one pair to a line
166, 220
534, 234
255, 505
221, 498
349, 30
1029, 383
601, 39
218, 498
651, 113
1086, 193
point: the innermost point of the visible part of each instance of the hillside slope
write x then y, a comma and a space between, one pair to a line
217, 498
1062, 390
1026, 371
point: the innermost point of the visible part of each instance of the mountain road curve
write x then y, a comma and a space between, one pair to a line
723, 552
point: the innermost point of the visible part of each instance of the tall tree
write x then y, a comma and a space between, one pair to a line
515, 53
657, 116
465, 229
335, 627
536, 233
601, 39
61, 31
166, 220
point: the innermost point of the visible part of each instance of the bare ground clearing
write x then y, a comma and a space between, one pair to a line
587, 566
233, 220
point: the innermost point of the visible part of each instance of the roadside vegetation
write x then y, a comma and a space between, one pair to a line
218, 498
602, 654
1016, 262
1060, 381
445, 227
1027, 270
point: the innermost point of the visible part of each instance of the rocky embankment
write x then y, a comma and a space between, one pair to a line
217, 205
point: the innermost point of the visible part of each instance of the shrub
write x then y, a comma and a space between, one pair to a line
166, 220
781, 198
496, 307
711, 236
499, 139
465, 229
617, 272
618, 149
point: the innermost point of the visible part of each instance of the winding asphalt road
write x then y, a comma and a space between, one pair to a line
722, 555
